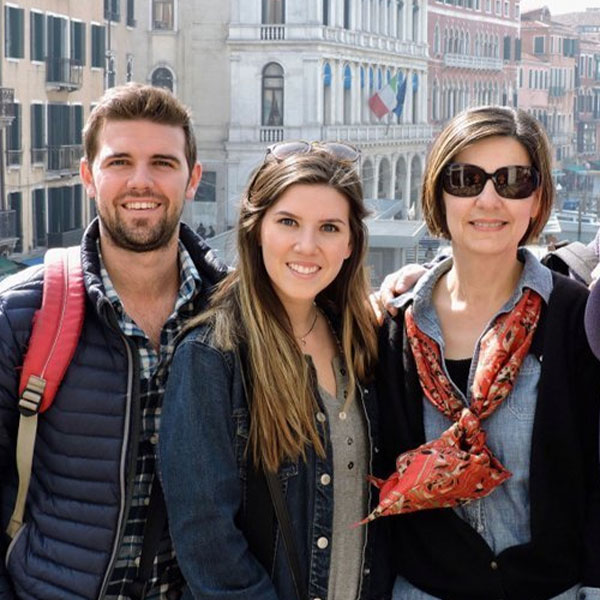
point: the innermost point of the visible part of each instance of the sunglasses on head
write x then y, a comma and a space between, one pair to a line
339, 150
514, 182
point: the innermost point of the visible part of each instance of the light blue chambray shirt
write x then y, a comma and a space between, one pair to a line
503, 517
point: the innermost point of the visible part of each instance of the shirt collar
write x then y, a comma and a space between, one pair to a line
535, 276
190, 279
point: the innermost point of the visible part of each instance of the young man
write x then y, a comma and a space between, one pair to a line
95, 455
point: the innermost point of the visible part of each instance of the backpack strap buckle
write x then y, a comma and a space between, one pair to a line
31, 398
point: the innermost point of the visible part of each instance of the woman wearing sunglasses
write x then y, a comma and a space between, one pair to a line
268, 404
489, 387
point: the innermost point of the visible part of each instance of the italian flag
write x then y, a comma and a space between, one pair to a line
386, 99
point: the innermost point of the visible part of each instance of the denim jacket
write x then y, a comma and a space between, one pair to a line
204, 435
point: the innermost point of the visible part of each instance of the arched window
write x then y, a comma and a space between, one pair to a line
273, 12
384, 179
327, 94
436, 39
162, 77
368, 178
272, 95
347, 95
415, 97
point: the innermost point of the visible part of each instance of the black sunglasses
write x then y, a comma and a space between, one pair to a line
281, 150
514, 182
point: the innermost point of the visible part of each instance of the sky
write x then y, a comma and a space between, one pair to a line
558, 7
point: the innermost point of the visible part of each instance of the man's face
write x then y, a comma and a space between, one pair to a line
139, 179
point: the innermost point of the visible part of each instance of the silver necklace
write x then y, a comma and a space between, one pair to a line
302, 338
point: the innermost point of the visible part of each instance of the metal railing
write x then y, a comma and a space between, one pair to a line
39, 155
64, 158
63, 239
8, 224
7, 103
64, 73
14, 158
556, 91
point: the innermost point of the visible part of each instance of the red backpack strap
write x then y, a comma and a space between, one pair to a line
55, 333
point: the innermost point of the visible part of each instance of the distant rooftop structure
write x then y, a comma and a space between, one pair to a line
587, 21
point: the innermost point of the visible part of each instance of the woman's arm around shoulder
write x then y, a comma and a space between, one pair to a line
200, 475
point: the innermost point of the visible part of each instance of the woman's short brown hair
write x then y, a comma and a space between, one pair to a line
470, 127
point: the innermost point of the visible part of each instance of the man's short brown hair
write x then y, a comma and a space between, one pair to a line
135, 101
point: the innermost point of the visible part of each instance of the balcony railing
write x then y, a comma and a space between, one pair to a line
479, 63
271, 134
272, 32
14, 158
64, 158
63, 73
114, 16
556, 91
39, 155
559, 139
63, 239
8, 224
319, 33
7, 102
403, 132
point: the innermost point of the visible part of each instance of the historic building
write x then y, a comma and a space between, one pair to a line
474, 50
59, 55
548, 81
256, 72
587, 110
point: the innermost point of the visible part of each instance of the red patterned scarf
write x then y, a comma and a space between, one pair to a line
458, 466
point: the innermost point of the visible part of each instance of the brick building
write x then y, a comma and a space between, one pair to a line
474, 49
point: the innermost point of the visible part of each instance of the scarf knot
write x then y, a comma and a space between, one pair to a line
458, 467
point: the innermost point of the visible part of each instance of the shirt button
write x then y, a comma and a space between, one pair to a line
366, 392
345, 393
349, 441
480, 528
321, 417
366, 571
494, 565
322, 543
343, 415
351, 465
325, 479
154, 439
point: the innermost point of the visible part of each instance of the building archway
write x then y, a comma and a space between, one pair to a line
384, 178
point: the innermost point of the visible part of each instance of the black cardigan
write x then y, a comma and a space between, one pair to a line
441, 553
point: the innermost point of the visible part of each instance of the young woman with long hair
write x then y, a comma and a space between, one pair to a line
273, 379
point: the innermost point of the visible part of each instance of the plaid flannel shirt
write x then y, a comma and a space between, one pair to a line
166, 578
